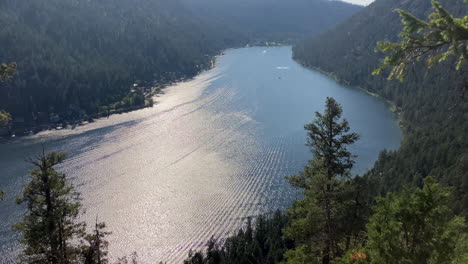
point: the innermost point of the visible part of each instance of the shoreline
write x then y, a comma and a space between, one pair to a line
160, 90
29, 130
392, 106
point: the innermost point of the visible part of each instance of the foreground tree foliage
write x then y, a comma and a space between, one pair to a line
50, 229
415, 226
318, 223
434, 40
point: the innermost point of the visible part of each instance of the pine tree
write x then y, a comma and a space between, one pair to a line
434, 41
315, 222
417, 226
50, 225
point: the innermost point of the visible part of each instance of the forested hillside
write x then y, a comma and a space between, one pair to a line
79, 55
431, 102
75, 57
274, 20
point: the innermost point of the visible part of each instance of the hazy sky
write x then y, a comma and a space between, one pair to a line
359, 2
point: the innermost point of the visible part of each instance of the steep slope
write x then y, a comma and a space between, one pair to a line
433, 112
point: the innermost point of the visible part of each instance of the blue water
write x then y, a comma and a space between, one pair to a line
213, 151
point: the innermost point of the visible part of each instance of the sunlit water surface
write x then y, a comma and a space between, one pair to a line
213, 151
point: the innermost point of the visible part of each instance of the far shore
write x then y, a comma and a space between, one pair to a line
23, 129
393, 107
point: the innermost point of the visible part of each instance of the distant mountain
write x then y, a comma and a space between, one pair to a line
434, 115
274, 20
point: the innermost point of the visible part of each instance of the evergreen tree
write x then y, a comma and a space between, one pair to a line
94, 248
50, 225
416, 226
259, 242
316, 223
434, 40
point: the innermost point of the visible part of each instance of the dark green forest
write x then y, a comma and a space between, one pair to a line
77, 58
430, 102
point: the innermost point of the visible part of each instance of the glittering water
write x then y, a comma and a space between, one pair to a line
213, 151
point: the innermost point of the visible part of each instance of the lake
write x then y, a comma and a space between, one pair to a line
213, 151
